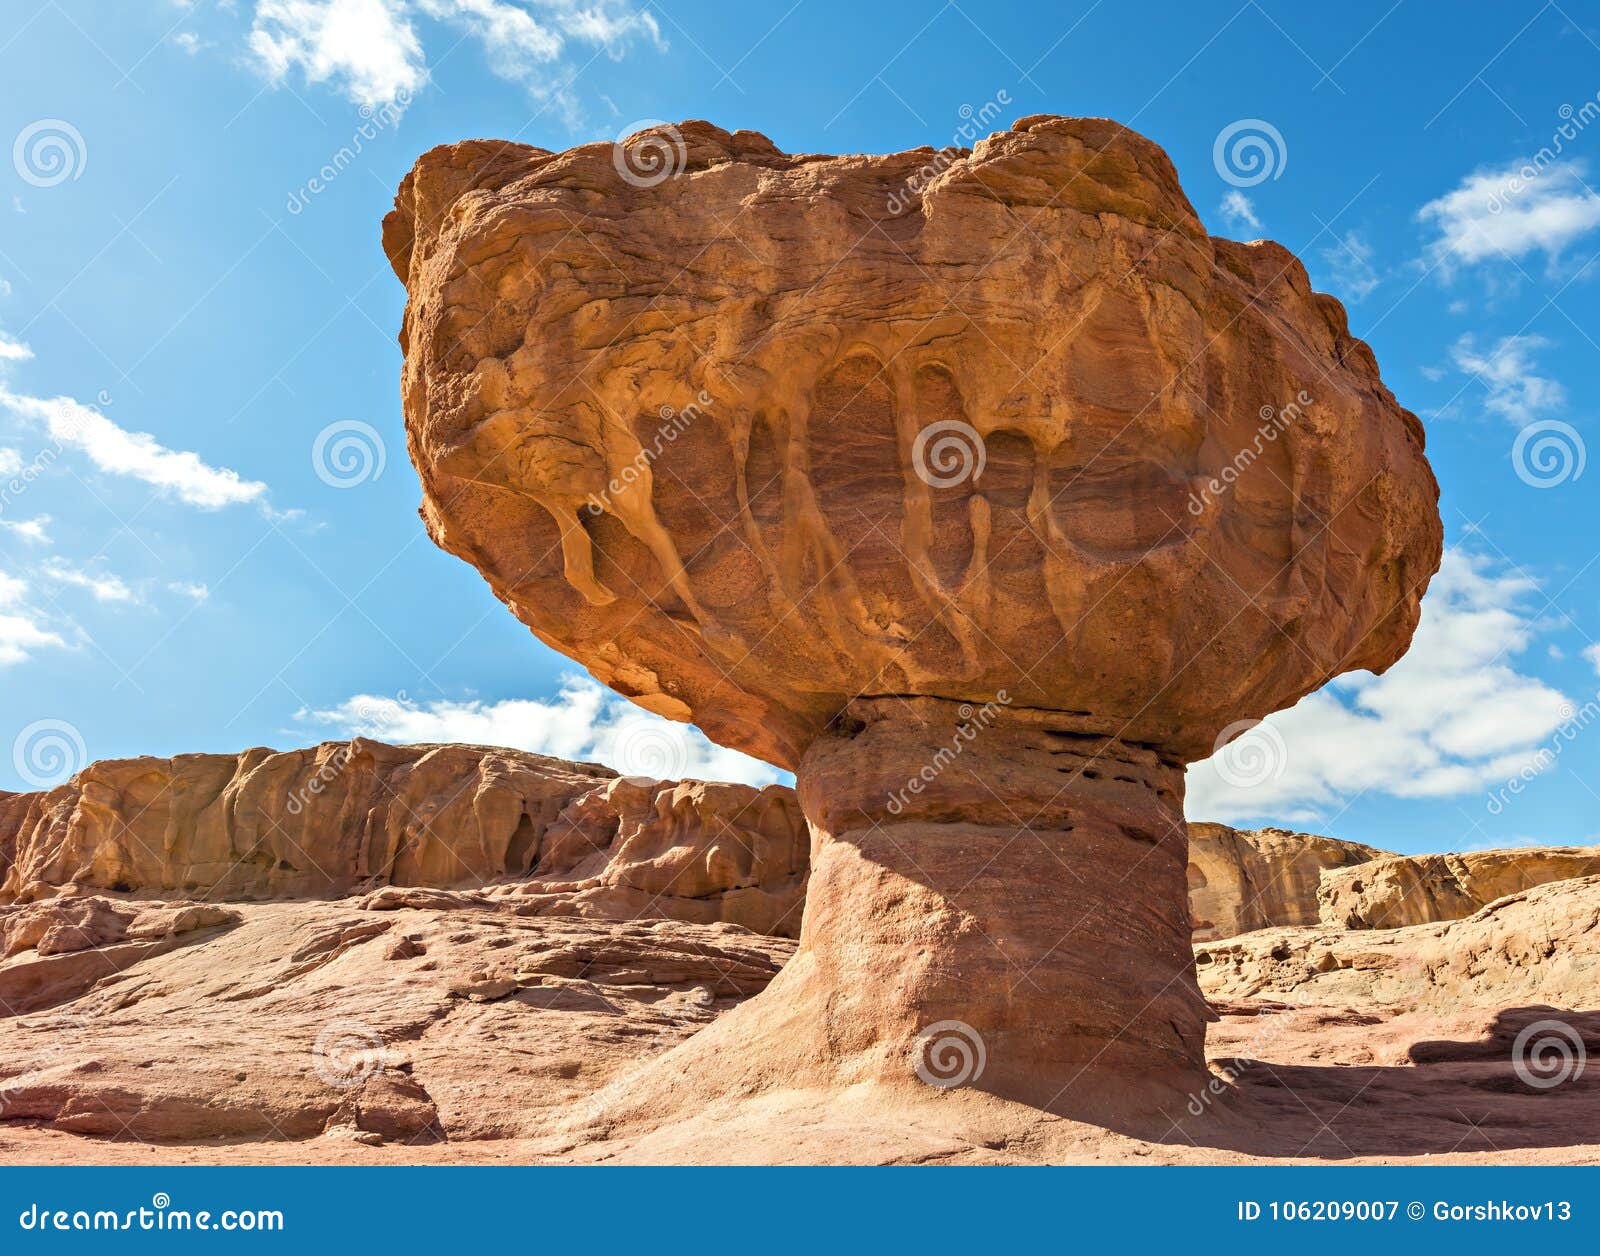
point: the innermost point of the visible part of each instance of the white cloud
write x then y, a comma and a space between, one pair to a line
584, 721
13, 350
366, 48
188, 41
199, 591
1453, 716
136, 454
1497, 214
104, 586
1238, 212
1350, 263
30, 530
10, 461
373, 52
21, 632
1516, 392
1592, 653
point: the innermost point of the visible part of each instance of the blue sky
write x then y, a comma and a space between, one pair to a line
208, 530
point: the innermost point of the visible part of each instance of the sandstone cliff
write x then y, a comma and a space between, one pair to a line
1241, 880
1398, 890
332, 818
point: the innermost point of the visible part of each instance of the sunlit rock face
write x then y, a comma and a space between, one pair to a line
747, 443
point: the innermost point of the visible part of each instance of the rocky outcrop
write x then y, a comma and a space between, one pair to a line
1244, 879
973, 566
1402, 890
571, 838
441, 1027
309, 1019
1539, 946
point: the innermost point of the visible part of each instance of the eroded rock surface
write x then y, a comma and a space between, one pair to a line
1401, 890
292, 1021
1540, 946
675, 423
1016, 475
454, 1030
321, 822
1245, 879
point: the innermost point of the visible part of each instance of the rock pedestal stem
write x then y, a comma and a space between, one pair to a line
997, 900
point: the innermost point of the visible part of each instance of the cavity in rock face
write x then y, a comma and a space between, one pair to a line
836, 462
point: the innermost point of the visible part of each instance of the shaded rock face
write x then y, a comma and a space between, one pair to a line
913, 503
1246, 879
1420, 889
322, 821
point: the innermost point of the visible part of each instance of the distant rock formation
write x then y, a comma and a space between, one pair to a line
341, 816
1245, 879
1536, 946
1397, 890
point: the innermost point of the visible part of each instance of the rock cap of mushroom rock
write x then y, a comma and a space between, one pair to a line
751, 434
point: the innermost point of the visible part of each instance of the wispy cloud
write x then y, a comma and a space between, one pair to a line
1453, 716
583, 721
1515, 391
30, 530
13, 350
137, 455
1239, 213
22, 630
103, 586
1349, 262
1495, 215
373, 50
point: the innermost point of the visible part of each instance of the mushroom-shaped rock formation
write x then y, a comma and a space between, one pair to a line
984, 490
